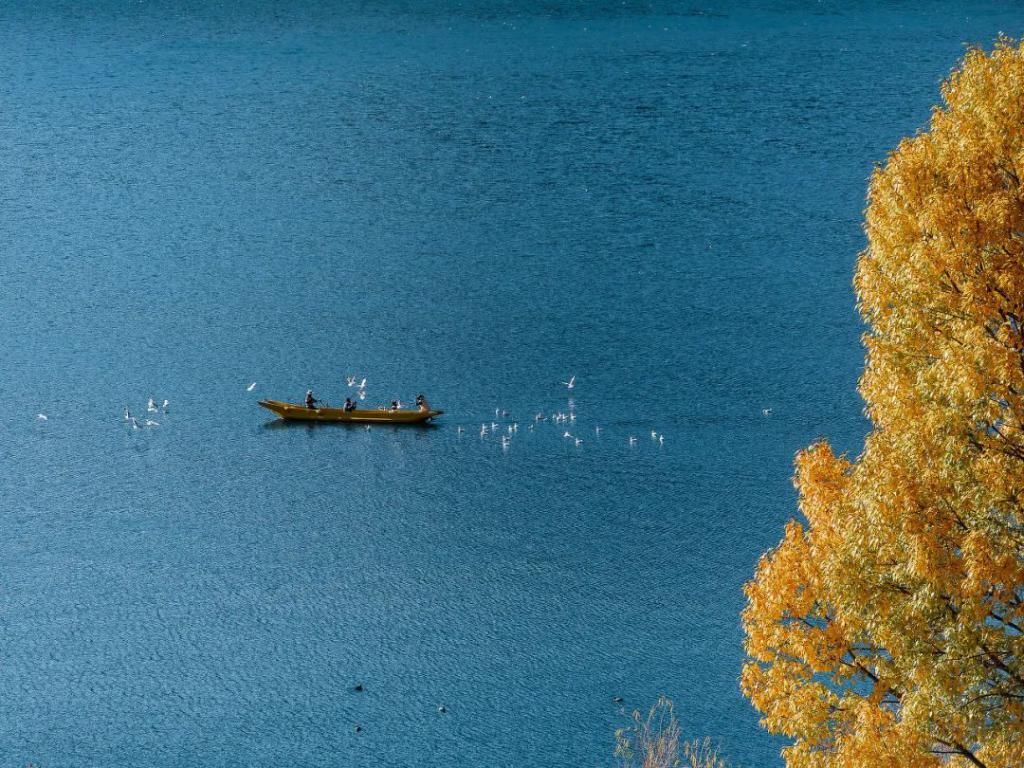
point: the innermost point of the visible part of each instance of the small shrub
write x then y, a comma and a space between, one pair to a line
653, 742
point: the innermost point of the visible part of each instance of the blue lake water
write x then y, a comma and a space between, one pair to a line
476, 200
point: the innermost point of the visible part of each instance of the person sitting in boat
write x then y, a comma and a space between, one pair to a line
310, 400
421, 404
349, 405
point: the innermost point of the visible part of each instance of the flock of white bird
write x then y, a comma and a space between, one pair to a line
505, 430
130, 420
508, 428
151, 407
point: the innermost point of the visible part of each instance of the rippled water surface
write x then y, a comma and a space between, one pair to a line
475, 200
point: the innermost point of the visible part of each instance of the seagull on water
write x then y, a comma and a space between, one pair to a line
766, 412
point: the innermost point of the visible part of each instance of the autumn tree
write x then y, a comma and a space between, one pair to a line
887, 628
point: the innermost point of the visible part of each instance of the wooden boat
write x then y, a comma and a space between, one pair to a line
293, 412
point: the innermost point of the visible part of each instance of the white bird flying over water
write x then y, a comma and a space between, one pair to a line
168, 402
151, 423
571, 383
127, 414
151, 406
766, 412
251, 387
135, 423
632, 441
42, 417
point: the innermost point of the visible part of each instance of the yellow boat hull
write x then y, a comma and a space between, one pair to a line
293, 412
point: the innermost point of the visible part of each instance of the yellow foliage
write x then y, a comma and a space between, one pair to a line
889, 629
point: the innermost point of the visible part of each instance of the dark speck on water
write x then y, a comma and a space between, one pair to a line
473, 200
